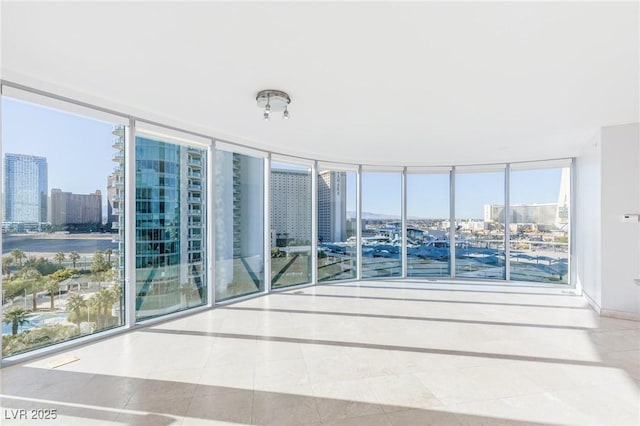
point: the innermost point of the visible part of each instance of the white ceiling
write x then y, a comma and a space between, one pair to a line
371, 83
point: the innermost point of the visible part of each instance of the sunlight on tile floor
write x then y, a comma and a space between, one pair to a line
369, 353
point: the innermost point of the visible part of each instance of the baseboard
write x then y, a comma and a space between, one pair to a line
620, 315
592, 303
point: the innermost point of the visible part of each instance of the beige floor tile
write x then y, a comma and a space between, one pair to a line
293, 405
473, 354
276, 375
370, 420
423, 417
338, 400
233, 407
397, 393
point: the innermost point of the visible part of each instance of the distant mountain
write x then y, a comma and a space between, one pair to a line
378, 216
372, 216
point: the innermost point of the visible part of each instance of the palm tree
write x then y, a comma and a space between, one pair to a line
34, 283
16, 317
75, 302
116, 291
59, 257
73, 257
95, 302
104, 299
6, 265
52, 286
19, 256
99, 264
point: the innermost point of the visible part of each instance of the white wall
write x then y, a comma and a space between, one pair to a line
587, 223
620, 241
607, 249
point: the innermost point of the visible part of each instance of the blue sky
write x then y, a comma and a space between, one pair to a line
428, 194
79, 151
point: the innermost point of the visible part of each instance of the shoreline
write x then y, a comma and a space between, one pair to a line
50, 236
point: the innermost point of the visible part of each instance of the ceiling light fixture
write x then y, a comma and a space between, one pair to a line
273, 100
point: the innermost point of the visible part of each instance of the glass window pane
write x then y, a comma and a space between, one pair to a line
290, 225
381, 225
336, 225
239, 207
479, 225
62, 250
170, 227
539, 225
428, 225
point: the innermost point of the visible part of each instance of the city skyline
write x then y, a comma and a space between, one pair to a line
71, 136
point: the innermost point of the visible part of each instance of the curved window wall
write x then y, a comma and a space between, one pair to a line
291, 234
111, 203
62, 251
428, 219
381, 224
337, 248
239, 225
539, 223
170, 227
479, 243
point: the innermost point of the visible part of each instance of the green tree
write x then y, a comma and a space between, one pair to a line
16, 317
99, 264
42, 265
52, 286
19, 256
74, 257
13, 287
33, 279
59, 257
62, 274
105, 300
108, 252
75, 303
99, 268
7, 261
116, 291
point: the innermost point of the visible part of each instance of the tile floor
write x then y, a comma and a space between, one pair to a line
373, 353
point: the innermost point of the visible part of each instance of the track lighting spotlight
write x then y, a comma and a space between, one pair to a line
273, 100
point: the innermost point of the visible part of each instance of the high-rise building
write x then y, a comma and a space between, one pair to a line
562, 212
76, 210
25, 188
332, 206
170, 224
115, 182
239, 189
290, 206
540, 214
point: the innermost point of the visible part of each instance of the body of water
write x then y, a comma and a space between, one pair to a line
54, 245
38, 320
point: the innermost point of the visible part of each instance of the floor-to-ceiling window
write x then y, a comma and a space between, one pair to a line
239, 225
63, 237
539, 222
337, 257
170, 228
428, 204
291, 233
479, 208
62, 246
381, 224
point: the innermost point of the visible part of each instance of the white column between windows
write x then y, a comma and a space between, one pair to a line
314, 223
130, 224
267, 224
211, 224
